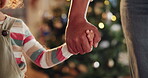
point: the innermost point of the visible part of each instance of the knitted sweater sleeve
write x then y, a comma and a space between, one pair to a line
42, 57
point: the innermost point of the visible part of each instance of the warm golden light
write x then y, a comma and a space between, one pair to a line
106, 2
68, 0
113, 18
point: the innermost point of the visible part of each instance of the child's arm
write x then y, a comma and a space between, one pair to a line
39, 55
46, 58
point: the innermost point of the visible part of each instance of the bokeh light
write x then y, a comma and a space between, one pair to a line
96, 64
113, 18
106, 2
101, 25
68, 0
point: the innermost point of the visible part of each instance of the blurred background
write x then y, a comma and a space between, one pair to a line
47, 20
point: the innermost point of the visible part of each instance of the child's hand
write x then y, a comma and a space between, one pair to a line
90, 36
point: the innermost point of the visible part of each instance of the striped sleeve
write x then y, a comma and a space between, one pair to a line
39, 55
17, 34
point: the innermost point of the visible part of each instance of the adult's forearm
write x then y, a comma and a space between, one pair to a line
78, 9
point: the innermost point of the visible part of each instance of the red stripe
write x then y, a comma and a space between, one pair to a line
28, 39
18, 60
60, 56
37, 61
17, 36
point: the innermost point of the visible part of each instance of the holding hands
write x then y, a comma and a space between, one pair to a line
81, 35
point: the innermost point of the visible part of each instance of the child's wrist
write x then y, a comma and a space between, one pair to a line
65, 51
91, 0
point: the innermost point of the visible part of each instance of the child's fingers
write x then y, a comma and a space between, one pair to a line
91, 35
90, 38
91, 31
87, 31
91, 43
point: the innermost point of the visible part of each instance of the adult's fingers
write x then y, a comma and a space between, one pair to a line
85, 44
71, 51
71, 48
79, 47
97, 39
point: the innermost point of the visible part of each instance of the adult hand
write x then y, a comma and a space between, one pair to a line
76, 36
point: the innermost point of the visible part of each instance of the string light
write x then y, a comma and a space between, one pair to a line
101, 25
113, 18
115, 28
65, 69
111, 63
109, 15
96, 64
67, 0
106, 2
64, 16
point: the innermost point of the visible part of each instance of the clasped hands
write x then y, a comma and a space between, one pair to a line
81, 36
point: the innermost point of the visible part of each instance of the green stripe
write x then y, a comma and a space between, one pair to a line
35, 55
12, 42
18, 20
17, 42
27, 33
54, 56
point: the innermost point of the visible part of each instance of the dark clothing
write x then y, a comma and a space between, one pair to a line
134, 16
